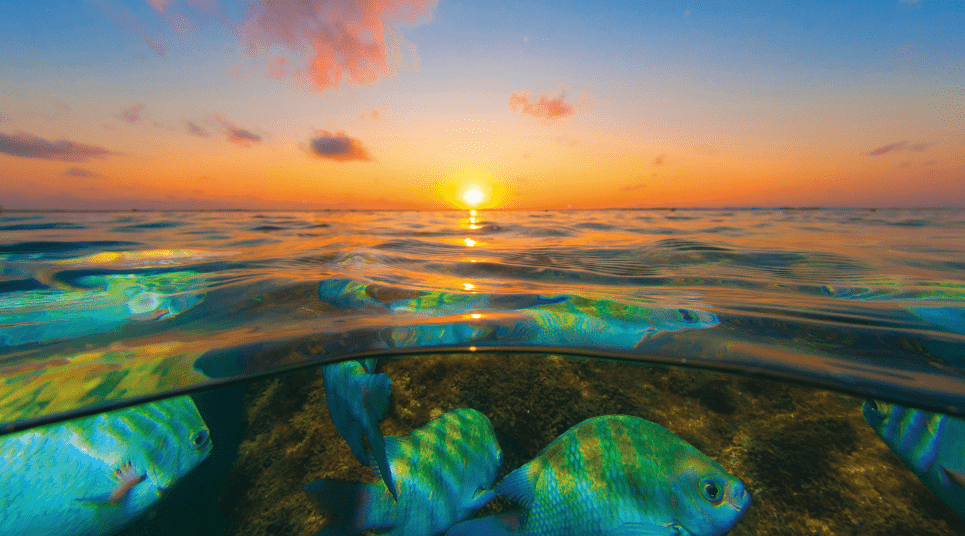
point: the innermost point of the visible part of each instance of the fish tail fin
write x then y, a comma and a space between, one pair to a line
348, 506
378, 389
502, 524
518, 486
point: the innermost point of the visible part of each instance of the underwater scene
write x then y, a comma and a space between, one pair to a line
610, 372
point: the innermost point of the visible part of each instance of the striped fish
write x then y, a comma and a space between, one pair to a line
932, 445
102, 303
94, 475
616, 475
357, 400
444, 472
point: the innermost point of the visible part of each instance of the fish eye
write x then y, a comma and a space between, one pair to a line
880, 408
711, 491
199, 439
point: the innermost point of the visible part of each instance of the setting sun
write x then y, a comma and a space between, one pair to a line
473, 196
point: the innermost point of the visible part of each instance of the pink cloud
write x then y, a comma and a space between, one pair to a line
81, 173
374, 115
236, 134
338, 147
126, 18
133, 114
27, 145
353, 39
276, 68
885, 149
196, 130
901, 146
545, 107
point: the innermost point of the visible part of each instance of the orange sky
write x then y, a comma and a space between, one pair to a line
187, 105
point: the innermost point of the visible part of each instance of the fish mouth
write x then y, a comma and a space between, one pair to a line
742, 501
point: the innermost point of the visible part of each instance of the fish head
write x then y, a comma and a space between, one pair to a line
707, 501
877, 413
172, 440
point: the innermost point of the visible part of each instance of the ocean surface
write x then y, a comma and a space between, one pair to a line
103, 310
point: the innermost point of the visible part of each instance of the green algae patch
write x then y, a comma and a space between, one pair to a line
811, 462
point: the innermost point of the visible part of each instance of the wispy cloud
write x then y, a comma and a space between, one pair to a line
126, 18
355, 39
900, 146
374, 115
81, 173
338, 146
919, 147
27, 145
196, 130
236, 134
133, 114
545, 107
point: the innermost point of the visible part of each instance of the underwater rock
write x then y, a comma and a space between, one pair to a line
932, 445
445, 471
617, 474
94, 475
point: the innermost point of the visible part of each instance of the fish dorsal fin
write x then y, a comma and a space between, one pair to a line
957, 477
519, 486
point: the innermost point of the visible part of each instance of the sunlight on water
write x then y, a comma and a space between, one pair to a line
104, 310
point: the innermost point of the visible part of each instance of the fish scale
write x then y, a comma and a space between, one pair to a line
443, 472
611, 475
94, 475
915, 433
932, 445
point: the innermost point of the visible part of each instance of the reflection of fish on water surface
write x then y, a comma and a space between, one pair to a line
444, 472
357, 400
103, 303
932, 445
616, 475
927, 300
94, 475
553, 321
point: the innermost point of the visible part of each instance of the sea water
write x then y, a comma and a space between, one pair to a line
753, 335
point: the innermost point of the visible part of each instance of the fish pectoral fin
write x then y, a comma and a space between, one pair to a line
957, 477
518, 487
102, 499
481, 498
643, 529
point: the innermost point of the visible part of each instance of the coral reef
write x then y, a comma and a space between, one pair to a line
812, 463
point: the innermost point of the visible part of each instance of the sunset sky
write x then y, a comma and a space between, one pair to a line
307, 104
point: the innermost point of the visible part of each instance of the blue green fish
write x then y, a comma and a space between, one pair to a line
94, 475
357, 401
616, 475
444, 472
102, 303
932, 445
